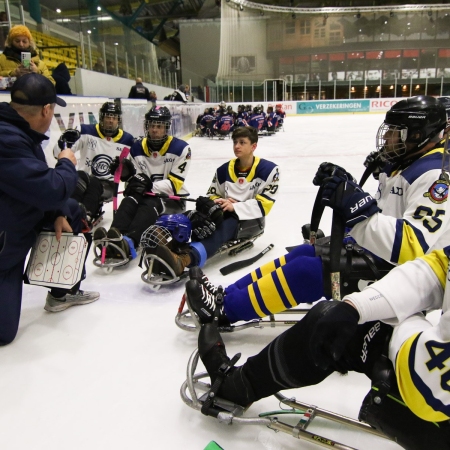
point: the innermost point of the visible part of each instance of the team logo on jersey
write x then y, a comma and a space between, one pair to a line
276, 177
188, 156
241, 180
155, 154
100, 165
438, 192
108, 138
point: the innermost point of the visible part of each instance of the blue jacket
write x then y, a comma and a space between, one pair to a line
28, 187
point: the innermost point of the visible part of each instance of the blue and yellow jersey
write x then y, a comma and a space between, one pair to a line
413, 204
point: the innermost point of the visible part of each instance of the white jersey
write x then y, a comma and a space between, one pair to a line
255, 193
167, 168
95, 152
413, 210
419, 351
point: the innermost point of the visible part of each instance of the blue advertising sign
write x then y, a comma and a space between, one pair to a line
333, 106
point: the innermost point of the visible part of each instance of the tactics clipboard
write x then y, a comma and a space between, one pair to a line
57, 264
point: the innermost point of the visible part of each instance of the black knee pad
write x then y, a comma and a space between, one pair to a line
82, 184
393, 418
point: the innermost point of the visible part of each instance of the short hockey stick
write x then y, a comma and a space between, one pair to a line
244, 263
170, 197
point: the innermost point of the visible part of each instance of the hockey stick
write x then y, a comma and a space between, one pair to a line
244, 263
170, 197
337, 236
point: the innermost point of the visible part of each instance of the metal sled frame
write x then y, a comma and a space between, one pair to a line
108, 264
234, 413
187, 320
156, 280
160, 279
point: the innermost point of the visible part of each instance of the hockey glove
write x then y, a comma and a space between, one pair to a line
374, 163
355, 205
325, 170
138, 184
68, 138
331, 332
128, 169
210, 209
202, 226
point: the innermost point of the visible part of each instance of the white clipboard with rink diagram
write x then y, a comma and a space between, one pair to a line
57, 264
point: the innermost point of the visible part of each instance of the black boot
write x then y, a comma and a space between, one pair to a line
203, 302
235, 386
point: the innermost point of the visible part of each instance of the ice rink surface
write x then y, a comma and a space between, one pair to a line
108, 375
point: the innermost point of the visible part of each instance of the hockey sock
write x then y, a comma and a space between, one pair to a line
298, 281
301, 250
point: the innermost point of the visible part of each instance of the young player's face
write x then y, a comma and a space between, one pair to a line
243, 148
156, 130
391, 138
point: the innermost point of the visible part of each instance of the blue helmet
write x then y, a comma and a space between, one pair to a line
178, 224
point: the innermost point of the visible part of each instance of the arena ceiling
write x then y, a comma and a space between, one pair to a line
158, 20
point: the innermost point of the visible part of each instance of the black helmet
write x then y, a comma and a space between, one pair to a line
158, 115
256, 109
110, 109
211, 111
446, 102
417, 120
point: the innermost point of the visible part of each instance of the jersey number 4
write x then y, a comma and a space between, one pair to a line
439, 353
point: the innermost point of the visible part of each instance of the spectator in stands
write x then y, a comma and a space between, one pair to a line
99, 66
139, 90
4, 29
20, 40
61, 76
110, 67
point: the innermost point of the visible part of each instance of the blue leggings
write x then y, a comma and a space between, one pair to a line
279, 285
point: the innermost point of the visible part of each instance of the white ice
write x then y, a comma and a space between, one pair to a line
108, 375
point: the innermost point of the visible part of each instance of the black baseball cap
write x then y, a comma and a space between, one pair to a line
34, 89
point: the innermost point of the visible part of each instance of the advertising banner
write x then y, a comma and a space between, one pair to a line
333, 106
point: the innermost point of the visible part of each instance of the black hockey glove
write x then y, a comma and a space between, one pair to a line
331, 332
138, 184
128, 169
68, 138
355, 205
202, 226
325, 170
374, 163
210, 209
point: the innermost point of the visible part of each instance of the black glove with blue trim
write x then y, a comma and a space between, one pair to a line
326, 170
354, 204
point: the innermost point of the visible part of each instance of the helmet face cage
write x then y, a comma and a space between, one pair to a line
157, 116
391, 152
177, 225
110, 109
154, 236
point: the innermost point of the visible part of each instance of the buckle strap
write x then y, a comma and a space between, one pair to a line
224, 370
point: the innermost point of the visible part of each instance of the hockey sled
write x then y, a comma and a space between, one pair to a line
187, 320
100, 254
194, 392
157, 273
